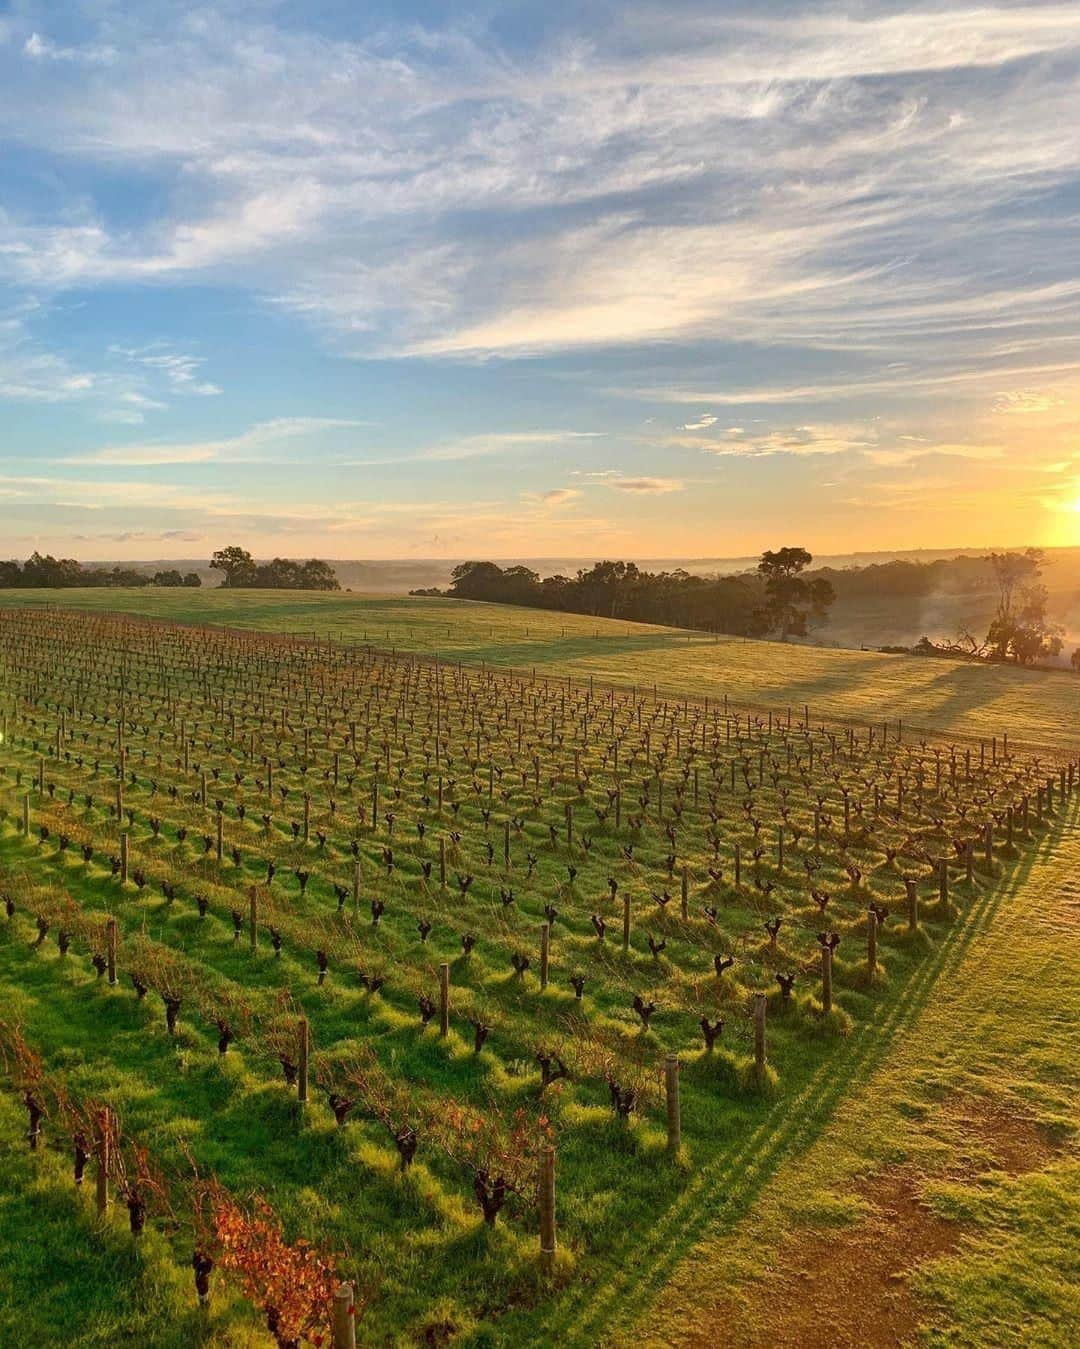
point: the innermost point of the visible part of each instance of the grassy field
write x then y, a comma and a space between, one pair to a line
952, 697
848, 1092
941, 1204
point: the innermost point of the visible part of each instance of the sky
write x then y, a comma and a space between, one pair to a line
392, 280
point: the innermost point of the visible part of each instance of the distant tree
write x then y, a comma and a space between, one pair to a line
1020, 630
1074, 660
192, 580
791, 601
316, 575
607, 589
11, 574
50, 572
281, 573
237, 564
167, 578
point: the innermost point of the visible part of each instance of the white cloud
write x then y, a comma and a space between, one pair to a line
40, 49
1022, 402
241, 448
647, 486
705, 420
808, 177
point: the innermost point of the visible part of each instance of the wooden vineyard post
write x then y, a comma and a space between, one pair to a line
506, 845
26, 814
41, 777
871, 940
912, 905
123, 858
204, 796
826, 978
1009, 826
943, 880
110, 949
760, 1004
545, 954
253, 920
569, 826
444, 999
119, 800
442, 863
671, 1093
356, 888
625, 923
375, 804
988, 844
219, 843
547, 1203
780, 849
307, 817
303, 1046
685, 893
101, 1152
344, 1318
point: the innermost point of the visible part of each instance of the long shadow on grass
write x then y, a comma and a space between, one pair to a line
723, 1190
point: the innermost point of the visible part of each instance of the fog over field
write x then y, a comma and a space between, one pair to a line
887, 620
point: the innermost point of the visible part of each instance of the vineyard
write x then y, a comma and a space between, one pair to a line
398, 998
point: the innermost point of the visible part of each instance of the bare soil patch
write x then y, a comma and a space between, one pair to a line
851, 1286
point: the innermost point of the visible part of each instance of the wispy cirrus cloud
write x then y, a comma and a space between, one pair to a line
249, 446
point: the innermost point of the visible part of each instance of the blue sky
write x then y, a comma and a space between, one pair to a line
395, 280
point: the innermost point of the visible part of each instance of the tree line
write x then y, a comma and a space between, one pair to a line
242, 572
783, 598
776, 600
45, 572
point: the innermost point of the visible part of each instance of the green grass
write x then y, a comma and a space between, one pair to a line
998, 1040
629, 1217
1038, 707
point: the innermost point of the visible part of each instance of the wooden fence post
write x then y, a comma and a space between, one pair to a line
444, 999
110, 949
547, 1202
671, 1091
303, 1048
760, 1005
826, 978
912, 904
344, 1318
101, 1150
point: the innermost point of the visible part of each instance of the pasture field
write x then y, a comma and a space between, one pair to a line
671, 936
1038, 707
